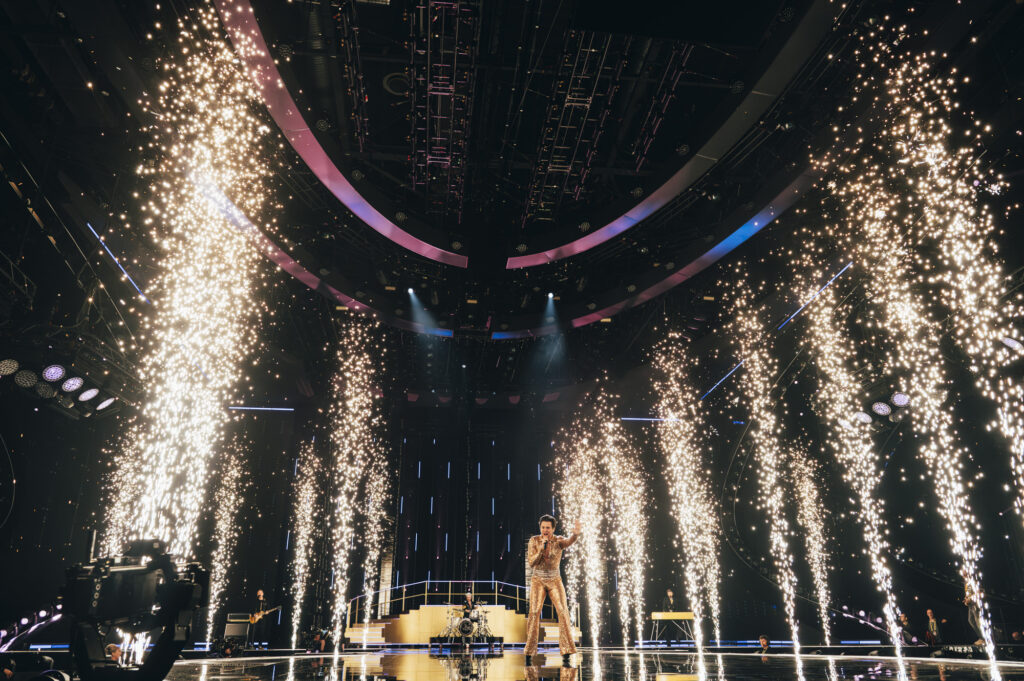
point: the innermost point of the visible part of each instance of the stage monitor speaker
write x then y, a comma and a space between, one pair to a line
236, 629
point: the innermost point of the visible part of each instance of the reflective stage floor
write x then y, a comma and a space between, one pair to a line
606, 665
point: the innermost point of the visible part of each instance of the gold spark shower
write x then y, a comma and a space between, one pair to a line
227, 501
835, 401
376, 492
809, 510
683, 441
625, 492
878, 191
757, 383
580, 498
203, 325
948, 187
355, 424
603, 487
306, 510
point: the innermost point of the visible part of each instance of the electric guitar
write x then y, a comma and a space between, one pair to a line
257, 616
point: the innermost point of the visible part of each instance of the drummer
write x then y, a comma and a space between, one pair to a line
468, 606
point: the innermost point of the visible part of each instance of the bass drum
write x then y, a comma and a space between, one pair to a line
465, 627
474, 615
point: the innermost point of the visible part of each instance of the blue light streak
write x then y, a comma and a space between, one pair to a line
117, 262
829, 283
241, 408
722, 379
848, 266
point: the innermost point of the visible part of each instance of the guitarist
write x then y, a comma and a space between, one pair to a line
259, 631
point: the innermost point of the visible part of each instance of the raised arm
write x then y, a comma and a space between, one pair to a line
575, 535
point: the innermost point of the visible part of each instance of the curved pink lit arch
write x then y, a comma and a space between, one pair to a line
240, 22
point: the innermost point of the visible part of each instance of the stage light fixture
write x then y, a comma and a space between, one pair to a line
105, 403
65, 402
900, 399
881, 408
72, 384
26, 378
45, 390
410, 290
54, 372
550, 295
1011, 343
8, 367
88, 394
862, 417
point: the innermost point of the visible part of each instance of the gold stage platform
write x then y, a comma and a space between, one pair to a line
418, 626
412, 614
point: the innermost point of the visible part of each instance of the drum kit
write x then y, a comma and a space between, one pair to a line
467, 625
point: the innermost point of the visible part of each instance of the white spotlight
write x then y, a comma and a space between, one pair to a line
88, 394
54, 372
410, 290
550, 294
881, 408
862, 417
72, 384
900, 399
105, 403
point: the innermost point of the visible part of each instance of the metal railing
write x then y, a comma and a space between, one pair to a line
407, 597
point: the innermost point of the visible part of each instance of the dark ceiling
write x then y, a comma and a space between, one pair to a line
660, 90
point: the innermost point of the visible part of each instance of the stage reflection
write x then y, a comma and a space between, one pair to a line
608, 665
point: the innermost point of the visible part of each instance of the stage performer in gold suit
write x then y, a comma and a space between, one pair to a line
544, 555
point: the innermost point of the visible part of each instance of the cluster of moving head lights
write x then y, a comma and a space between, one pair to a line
883, 409
55, 383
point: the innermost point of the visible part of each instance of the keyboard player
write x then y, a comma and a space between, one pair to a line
668, 604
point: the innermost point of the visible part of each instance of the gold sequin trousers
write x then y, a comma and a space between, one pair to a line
552, 588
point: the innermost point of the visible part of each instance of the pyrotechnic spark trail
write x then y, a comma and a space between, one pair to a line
306, 497
355, 425
879, 194
836, 399
203, 323
757, 383
581, 498
683, 439
604, 488
809, 512
226, 503
626, 497
947, 185
377, 494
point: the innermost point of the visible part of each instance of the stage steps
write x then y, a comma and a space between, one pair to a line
373, 631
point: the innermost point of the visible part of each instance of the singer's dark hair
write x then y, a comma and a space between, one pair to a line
549, 518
